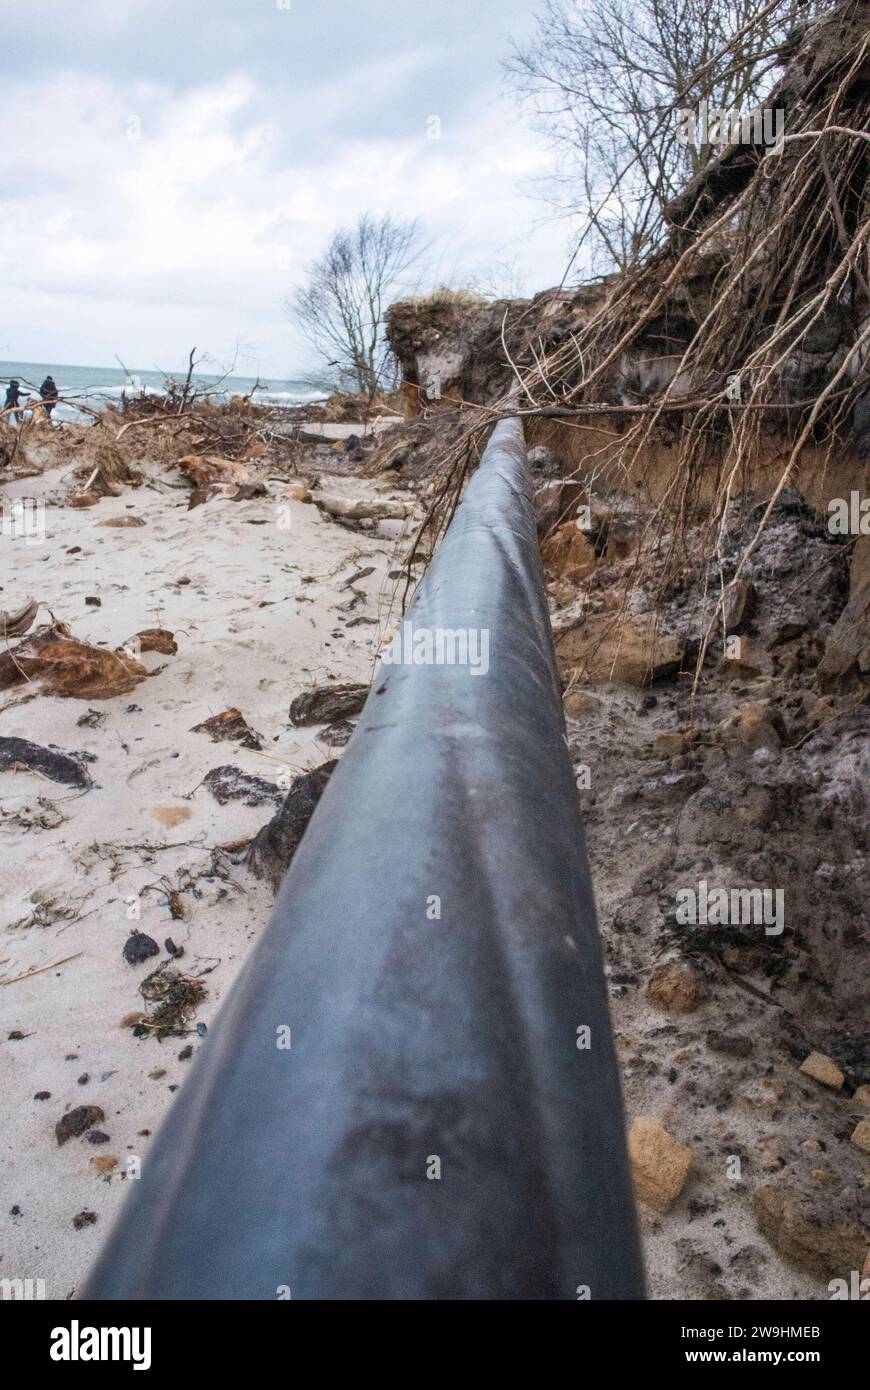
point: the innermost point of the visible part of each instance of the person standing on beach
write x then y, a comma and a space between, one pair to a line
13, 399
48, 392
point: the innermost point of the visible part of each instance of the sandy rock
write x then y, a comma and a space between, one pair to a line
659, 1163
740, 605
751, 661
861, 1098
753, 725
230, 726
155, 639
823, 1069
577, 703
121, 522
104, 1163
819, 1240
861, 1135
568, 553
675, 988
627, 652
672, 745
845, 658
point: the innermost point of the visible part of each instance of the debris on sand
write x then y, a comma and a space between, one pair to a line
120, 522
76, 1122
229, 784
15, 624
20, 753
153, 639
139, 947
66, 667
273, 847
84, 1218
362, 509
174, 996
327, 703
219, 477
337, 735
229, 727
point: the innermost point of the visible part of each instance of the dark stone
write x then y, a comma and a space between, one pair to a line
76, 1121
272, 849
227, 783
48, 762
138, 948
327, 703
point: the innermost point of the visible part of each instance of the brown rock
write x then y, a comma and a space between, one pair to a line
671, 745
229, 726
823, 1069
822, 1244
754, 725
76, 1121
628, 651
749, 661
578, 702
104, 1163
861, 1135
740, 605
845, 656
156, 639
861, 1098
568, 553
674, 987
659, 1163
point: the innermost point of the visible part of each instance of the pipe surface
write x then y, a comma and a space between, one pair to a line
434, 1131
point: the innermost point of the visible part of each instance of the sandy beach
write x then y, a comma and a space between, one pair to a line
252, 592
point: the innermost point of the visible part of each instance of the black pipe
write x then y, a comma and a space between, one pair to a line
434, 1131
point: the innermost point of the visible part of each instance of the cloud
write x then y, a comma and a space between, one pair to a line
144, 211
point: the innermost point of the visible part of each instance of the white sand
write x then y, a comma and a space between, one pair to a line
232, 651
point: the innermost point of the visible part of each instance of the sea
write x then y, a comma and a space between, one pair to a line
97, 387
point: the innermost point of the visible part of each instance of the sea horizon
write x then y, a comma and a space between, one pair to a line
96, 387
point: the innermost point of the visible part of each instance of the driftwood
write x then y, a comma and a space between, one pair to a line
327, 703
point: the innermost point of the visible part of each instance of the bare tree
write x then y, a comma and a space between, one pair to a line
605, 81
341, 308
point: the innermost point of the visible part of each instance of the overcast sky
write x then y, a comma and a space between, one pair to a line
168, 167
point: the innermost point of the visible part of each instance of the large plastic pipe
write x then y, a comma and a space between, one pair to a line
434, 1130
